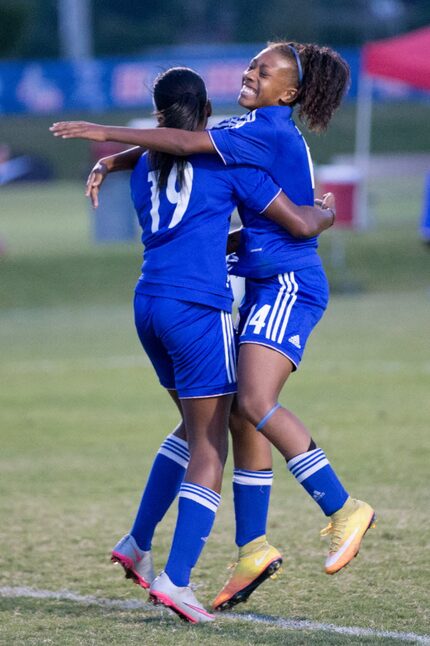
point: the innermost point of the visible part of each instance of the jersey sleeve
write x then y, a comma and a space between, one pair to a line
250, 141
254, 187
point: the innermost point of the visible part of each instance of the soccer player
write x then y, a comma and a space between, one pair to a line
182, 313
286, 295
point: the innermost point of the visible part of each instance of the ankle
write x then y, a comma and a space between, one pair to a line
348, 505
252, 546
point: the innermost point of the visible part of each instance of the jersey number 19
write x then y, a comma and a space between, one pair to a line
180, 198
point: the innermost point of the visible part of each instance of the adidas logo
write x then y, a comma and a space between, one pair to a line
295, 340
317, 495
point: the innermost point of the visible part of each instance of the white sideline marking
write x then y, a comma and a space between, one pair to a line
278, 622
66, 595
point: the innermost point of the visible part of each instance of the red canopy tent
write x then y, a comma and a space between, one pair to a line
404, 58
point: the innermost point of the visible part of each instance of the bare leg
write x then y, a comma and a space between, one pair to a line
180, 431
262, 372
251, 450
206, 422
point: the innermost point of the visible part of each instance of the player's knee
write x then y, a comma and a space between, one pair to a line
235, 419
212, 450
252, 408
180, 431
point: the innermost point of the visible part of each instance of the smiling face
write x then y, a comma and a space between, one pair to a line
270, 79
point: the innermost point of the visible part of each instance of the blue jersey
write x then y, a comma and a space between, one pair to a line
184, 232
268, 138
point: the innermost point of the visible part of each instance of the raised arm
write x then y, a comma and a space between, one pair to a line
165, 140
302, 221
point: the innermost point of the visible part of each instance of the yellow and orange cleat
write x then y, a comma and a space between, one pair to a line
257, 562
347, 528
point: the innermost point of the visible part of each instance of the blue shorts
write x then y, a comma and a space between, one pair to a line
281, 311
191, 346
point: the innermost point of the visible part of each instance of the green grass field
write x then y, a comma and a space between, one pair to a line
81, 415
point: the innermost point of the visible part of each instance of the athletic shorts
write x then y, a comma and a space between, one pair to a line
281, 311
191, 346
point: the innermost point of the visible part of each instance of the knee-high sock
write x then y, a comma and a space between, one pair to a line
251, 491
163, 484
315, 473
196, 514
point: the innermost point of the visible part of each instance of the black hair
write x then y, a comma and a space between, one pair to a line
325, 81
180, 100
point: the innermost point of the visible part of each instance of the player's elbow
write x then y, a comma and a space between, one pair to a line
186, 145
302, 229
183, 149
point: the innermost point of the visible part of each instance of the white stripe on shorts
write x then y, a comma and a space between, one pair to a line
231, 345
275, 308
287, 295
285, 281
229, 350
289, 308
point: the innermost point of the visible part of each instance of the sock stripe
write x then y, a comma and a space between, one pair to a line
245, 472
252, 478
201, 495
173, 456
299, 469
303, 459
203, 491
178, 440
201, 501
175, 449
178, 444
312, 470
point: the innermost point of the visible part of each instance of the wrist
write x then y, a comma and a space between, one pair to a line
103, 166
332, 213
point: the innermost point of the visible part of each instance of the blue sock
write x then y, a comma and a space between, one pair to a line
163, 484
196, 514
316, 475
251, 491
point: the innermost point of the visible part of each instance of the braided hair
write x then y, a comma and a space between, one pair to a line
325, 80
180, 100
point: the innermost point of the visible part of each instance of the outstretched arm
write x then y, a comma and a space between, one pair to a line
302, 221
125, 160
165, 140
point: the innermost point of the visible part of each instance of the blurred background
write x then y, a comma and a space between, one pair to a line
94, 60
81, 411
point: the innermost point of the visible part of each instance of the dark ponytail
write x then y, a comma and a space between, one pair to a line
180, 100
326, 79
